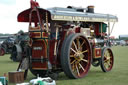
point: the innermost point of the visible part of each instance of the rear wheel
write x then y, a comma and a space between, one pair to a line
76, 56
2, 51
107, 60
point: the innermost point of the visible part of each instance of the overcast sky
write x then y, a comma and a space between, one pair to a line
11, 8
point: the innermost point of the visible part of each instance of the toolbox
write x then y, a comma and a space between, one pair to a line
16, 77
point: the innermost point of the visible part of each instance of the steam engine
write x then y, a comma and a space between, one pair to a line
67, 40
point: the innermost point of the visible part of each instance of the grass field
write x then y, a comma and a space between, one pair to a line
118, 75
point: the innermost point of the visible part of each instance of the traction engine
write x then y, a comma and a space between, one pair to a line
67, 40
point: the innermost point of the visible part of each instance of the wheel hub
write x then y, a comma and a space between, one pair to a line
79, 56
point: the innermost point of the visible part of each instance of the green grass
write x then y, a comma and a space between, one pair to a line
118, 75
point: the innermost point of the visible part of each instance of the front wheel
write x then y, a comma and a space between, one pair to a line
16, 54
107, 59
76, 56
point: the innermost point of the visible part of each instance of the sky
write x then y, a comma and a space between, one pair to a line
11, 8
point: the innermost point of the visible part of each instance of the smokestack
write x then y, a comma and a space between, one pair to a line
90, 9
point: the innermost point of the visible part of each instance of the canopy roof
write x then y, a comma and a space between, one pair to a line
24, 15
67, 14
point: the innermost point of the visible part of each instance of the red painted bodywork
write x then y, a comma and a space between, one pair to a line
24, 16
38, 54
97, 53
97, 26
34, 4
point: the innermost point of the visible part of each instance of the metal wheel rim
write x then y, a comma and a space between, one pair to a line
79, 56
108, 60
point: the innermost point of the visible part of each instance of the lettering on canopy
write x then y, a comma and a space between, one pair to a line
79, 18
